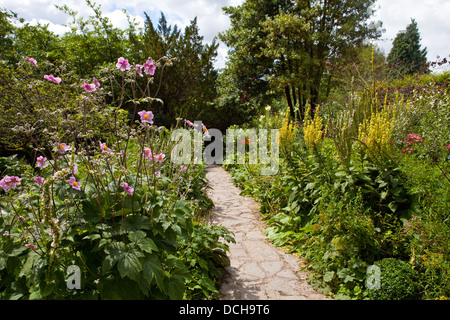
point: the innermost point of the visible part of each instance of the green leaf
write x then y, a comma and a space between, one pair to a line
328, 276
393, 206
129, 265
92, 236
46, 289
175, 286
144, 243
152, 269
138, 223
28, 266
2, 263
136, 236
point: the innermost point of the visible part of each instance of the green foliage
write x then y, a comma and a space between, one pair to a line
406, 57
287, 48
398, 281
93, 43
110, 202
343, 211
189, 96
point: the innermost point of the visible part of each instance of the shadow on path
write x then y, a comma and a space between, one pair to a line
258, 271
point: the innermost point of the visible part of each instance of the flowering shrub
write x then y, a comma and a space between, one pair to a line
287, 132
313, 130
376, 193
115, 206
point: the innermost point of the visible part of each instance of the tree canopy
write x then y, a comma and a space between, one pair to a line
94, 42
289, 47
406, 56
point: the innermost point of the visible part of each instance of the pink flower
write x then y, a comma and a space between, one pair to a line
96, 83
159, 158
51, 78
76, 185
147, 153
105, 148
138, 68
123, 64
205, 130
448, 147
146, 116
39, 180
414, 137
127, 188
89, 87
32, 61
184, 168
62, 147
32, 246
9, 182
149, 67
41, 162
189, 123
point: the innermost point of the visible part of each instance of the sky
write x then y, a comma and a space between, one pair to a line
431, 17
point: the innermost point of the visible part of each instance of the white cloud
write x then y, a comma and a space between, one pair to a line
431, 17
210, 18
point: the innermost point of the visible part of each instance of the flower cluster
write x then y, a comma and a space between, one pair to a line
149, 66
91, 87
411, 140
376, 132
312, 130
155, 157
9, 182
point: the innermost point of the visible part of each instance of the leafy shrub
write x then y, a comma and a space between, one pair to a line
338, 244
398, 281
114, 205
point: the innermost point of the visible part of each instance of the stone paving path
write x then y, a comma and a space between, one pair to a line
258, 271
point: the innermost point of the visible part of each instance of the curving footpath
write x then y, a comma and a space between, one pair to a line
258, 271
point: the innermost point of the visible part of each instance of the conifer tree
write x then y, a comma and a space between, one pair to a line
406, 56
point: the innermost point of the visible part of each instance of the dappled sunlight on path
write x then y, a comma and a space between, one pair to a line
258, 270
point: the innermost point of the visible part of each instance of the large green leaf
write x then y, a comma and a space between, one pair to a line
142, 241
175, 286
152, 269
127, 259
129, 265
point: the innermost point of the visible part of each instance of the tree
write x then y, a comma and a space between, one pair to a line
7, 36
288, 46
189, 87
406, 56
92, 42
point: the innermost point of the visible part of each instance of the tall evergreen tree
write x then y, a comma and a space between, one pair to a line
406, 56
188, 85
284, 46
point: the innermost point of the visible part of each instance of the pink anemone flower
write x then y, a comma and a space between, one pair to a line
146, 116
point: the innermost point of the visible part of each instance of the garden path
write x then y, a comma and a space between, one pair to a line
258, 271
